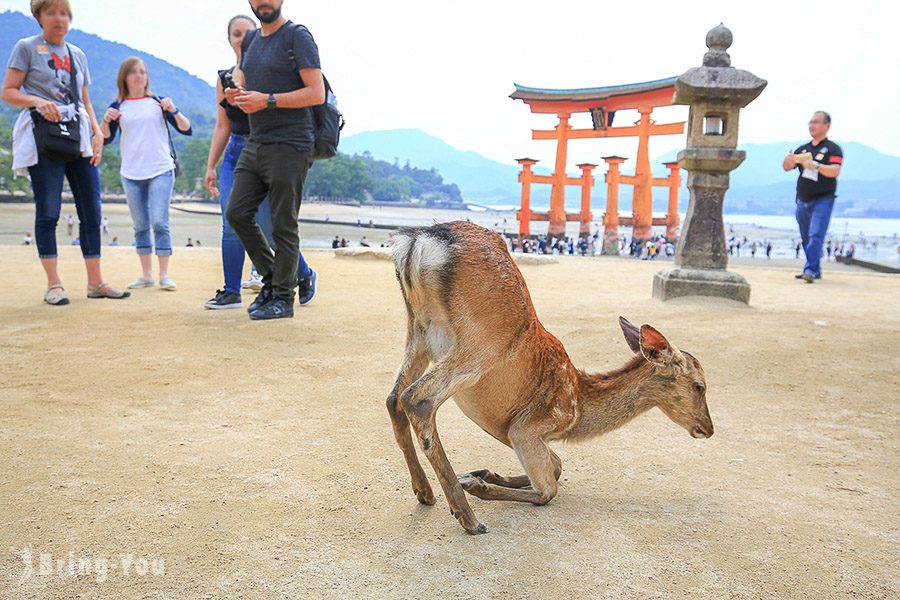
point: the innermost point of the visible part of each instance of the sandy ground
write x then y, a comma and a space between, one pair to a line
257, 459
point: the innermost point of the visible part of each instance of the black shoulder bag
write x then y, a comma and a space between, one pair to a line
60, 141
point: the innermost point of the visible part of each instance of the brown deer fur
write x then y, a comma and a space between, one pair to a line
470, 316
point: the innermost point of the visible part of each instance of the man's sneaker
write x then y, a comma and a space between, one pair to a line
306, 288
808, 278
255, 282
274, 309
265, 296
224, 299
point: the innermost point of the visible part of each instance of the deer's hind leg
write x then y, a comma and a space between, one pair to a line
421, 402
542, 469
515, 481
414, 364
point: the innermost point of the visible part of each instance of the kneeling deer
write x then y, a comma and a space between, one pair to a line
470, 316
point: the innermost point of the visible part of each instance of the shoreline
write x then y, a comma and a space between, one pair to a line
321, 222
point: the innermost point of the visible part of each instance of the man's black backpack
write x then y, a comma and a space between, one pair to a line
328, 119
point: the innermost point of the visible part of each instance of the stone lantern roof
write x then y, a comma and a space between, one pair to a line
717, 80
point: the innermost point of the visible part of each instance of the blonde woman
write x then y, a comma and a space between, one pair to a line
148, 164
51, 77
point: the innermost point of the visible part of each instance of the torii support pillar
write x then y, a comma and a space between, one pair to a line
587, 183
558, 193
672, 219
643, 186
526, 177
611, 218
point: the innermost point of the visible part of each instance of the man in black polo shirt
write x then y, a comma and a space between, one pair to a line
819, 163
278, 80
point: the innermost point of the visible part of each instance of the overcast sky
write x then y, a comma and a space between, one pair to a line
448, 67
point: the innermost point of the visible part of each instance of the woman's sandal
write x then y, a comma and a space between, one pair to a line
56, 295
104, 290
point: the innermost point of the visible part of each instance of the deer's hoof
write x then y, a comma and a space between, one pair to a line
473, 485
479, 529
467, 480
480, 473
425, 497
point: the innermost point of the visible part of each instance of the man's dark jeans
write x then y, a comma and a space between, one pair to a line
276, 170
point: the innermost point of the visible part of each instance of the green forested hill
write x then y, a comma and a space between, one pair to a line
195, 97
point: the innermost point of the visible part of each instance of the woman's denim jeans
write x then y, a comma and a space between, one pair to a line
47, 183
148, 203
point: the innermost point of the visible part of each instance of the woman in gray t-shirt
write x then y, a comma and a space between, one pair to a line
39, 77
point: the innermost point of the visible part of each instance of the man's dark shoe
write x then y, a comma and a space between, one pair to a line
223, 300
274, 309
266, 294
306, 288
808, 278
799, 276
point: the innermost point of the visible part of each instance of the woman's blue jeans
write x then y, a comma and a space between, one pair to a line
47, 183
148, 203
232, 250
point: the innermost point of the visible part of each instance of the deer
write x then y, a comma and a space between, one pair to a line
473, 335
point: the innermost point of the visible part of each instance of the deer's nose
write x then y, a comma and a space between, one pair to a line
702, 432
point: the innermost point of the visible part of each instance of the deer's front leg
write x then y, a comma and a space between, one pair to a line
421, 401
540, 466
516, 481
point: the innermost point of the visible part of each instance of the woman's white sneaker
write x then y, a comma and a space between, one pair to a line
141, 282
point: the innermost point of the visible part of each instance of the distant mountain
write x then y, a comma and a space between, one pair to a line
869, 185
194, 96
479, 179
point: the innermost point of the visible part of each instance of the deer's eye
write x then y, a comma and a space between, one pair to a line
699, 388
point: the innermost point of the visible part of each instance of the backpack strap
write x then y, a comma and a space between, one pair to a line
289, 48
172, 152
74, 77
245, 43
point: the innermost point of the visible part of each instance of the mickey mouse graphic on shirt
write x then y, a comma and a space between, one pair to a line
62, 69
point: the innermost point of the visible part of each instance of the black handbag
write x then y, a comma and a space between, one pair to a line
59, 141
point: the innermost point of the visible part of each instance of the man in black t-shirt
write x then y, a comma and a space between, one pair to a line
279, 79
819, 163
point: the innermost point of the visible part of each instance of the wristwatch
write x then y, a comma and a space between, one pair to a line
271, 103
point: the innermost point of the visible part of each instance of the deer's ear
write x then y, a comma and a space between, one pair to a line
654, 346
632, 334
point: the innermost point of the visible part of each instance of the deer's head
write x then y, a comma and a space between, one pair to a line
678, 380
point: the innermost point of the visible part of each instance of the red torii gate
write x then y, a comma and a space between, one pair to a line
601, 103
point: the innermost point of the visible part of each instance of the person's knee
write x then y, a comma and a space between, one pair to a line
160, 225
234, 217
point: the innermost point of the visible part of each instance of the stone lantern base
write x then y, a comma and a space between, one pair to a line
678, 281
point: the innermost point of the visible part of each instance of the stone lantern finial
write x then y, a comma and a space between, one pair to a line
718, 40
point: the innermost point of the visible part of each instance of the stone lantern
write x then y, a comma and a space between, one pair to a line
716, 92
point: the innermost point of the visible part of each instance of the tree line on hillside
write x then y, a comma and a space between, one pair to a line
358, 177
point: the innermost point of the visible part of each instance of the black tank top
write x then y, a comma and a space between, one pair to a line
240, 122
